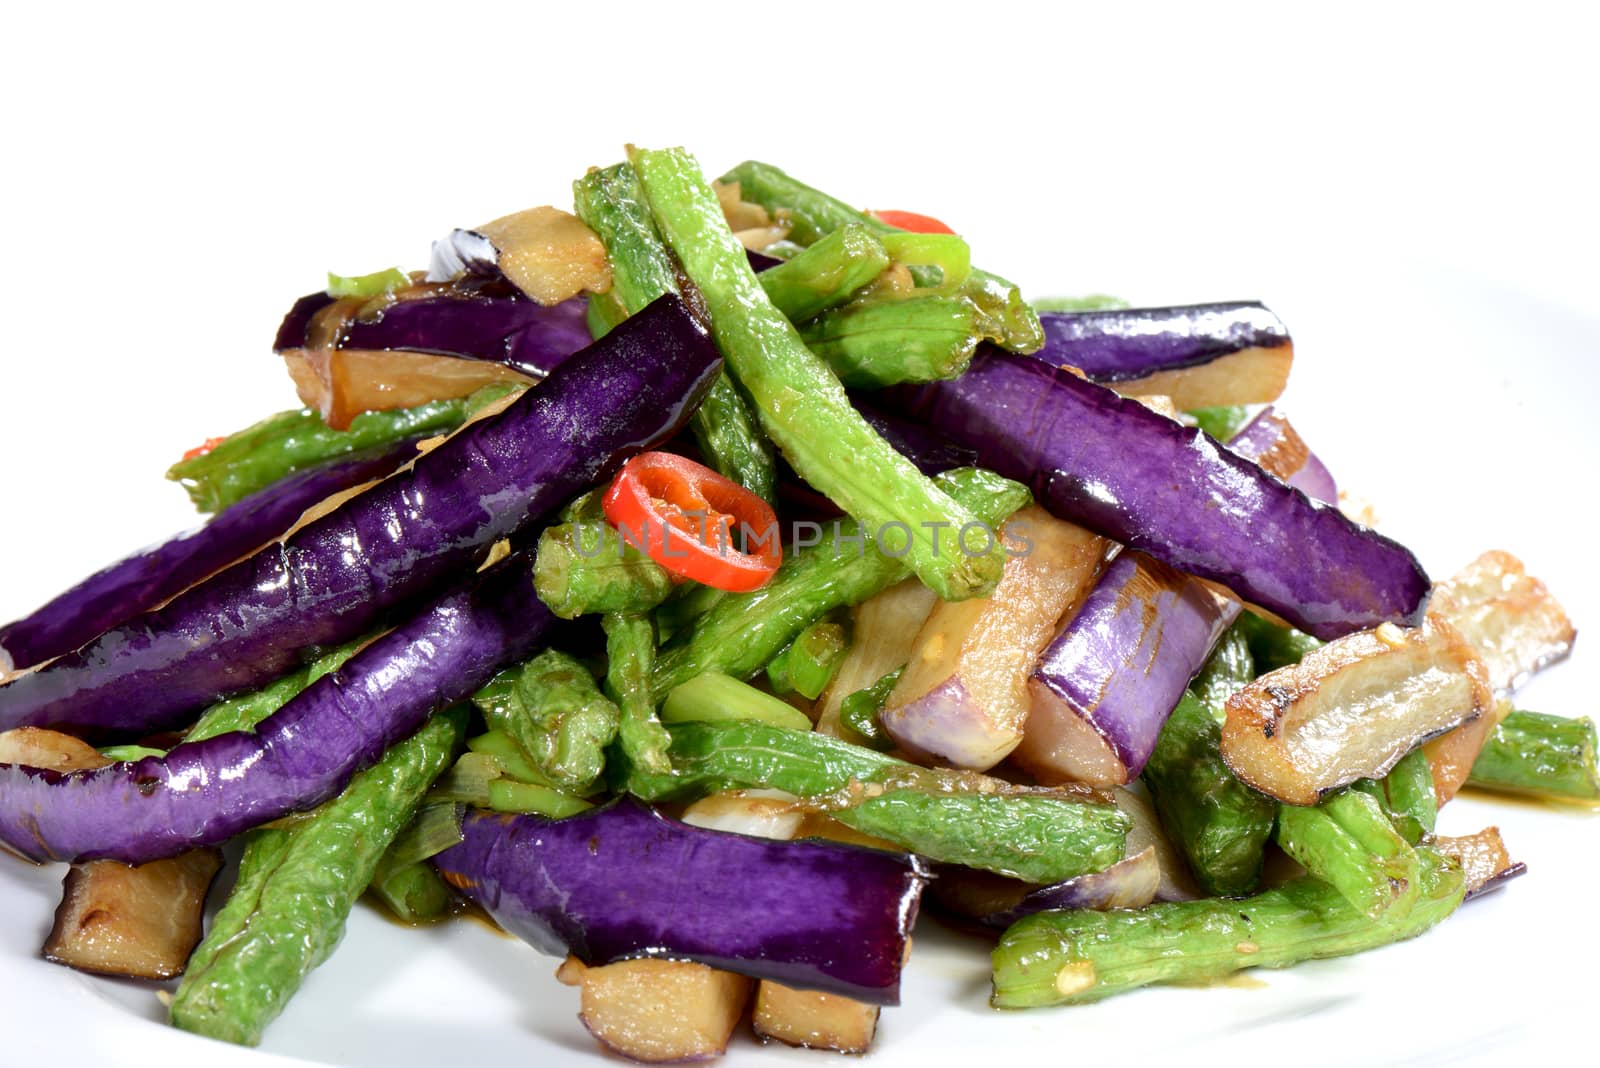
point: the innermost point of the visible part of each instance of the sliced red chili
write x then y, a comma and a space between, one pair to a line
694, 522
913, 221
202, 449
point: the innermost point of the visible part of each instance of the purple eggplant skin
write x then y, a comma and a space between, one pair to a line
933, 453
203, 793
1122, 662
1127, 884
624, 881
1160, 623
1132, 475
485, 322
1268, 440
1122, 344
405, 539
150, 577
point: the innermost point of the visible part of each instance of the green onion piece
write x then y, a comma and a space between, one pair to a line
511, 757
467, 781
717, 698
367, 286
860, 710
508, 796
435, 828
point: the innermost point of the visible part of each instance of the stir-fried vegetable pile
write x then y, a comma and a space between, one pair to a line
691, 579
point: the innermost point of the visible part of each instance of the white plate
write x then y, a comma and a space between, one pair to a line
197, 176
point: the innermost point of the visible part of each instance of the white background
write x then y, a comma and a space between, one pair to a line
1412, 187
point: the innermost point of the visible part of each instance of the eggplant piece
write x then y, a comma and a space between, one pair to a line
1351, 709
1106, 684
811, 1019
548, 254
203, 793
963, 697
1483, 858
624, 881
1271, 442
884, 629
1132, 475
757, 813
1507, 615
1108, 681
1452, 755
138, 922
933, 453
1200, 355
998, 902
658, 1011
341, 575
147, 579
490, 324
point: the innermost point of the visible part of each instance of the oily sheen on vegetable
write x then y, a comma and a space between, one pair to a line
483, 320
203, 793
1131, 474
142, 581
339, 576
1200, 355
625, 881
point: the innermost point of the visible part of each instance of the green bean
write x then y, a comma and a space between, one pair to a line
1080, 955
1085, 303
552, 710
812, 214
1349, 843
802, 406
885, 343
630, 657
283, 444
1274, 645
296, 888
1540, 755
1219, 824
611, 202
584, 568
826, 274
243, 712
957, 817
742, 632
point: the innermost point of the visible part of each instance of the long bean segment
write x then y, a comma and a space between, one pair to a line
885, 343
296, 888
801, 403
826, 274
742, 632
242, 713
630, 657
812, 214
553, 710
951, 816
612, 203
1081, 955
588, 567
1540, 755
283, 444
1219, 824
1349, 843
